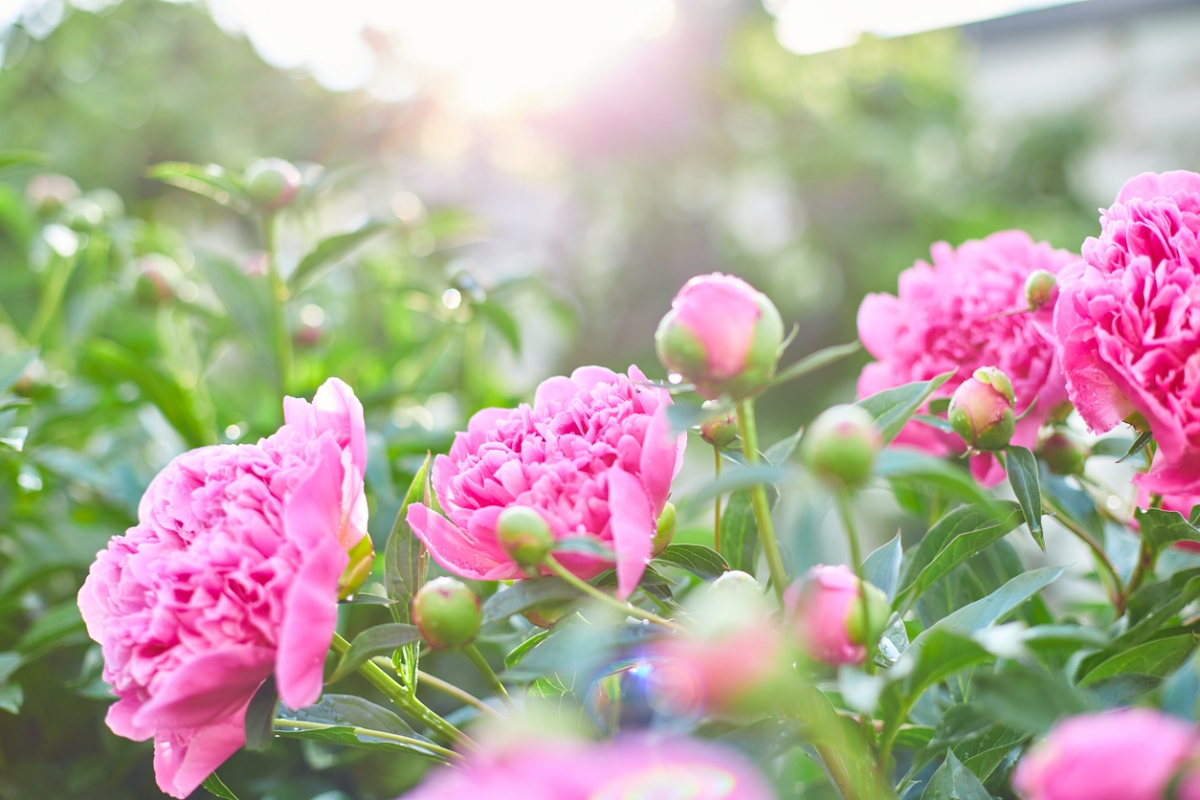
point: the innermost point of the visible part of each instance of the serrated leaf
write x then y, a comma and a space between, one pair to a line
701, 561
892, 408
12, 367
815, 361
260, 715
1160, 528
1157, 657
217, 788
953, 781
330, 250
1022, 470
502, 321
377, 641
209, 181
882, 567
404, 559
525, 595
739, 532
954, 538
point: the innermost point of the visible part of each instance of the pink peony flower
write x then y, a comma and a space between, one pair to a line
1131, 754
1128, 322
721, 334
716, 673
820, 606
948, 317
594, 456
635, 766
230, 575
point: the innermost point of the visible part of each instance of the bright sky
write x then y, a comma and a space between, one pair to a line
504, 56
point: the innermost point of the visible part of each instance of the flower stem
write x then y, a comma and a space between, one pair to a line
717, 502
279, 296
442, 752
481, 664
626, 608
847, 514
434, 682
1116, 590
762, 509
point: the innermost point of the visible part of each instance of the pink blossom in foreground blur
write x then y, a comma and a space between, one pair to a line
717, 673
230, 575
631, 767
1128, 322
947, 317
1131, 754
819, 606
721, 334
594, 456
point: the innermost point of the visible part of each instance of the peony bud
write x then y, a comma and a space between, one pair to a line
547, 615
722, 335
665, 530
981, 410
362, 560
1062, 454
524, 535
1039, 288
720, 431
50, 192
272, 183
841, 444
826, 611
151, 288
447, 613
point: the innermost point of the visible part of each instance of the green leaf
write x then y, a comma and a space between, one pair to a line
1138, 446
404, 558
939, 423
983, 753
782, 450
57, 627
686, 415
1181, 692
209, 181
260, 715
655, 584
377, 641
739, 532
12, 157
248, 302
935, 654
351, 721
331, 250
1160, 528
517, 653
733, 480
12, 696
882, 567
1149, 609
930, 473
1028, 699
892, 408
1022, 471
815, 361
1112, 446
953, 539
1156, 657
953, 781
525, 595
12, 367
118, 364
502, 321
216, 788
701, 561
998, 604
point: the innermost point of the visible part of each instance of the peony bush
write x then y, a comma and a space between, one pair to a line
720, 665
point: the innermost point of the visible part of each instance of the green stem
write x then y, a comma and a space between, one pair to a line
762, 509
56, 284
434, 682
626, 608
446, 755
481, 664
847, 514
717, 502
279, 297
406, 701
1116, 590
888, 737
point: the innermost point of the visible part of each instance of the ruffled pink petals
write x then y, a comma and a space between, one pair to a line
633, 527
206, 689
721, 313
660, 459
309, 624
451, 548
184, 758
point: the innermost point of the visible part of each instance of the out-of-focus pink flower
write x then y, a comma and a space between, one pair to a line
1131, 754
820, 607
716, 673
594, 456
230, 575
1189, 784
634, 766
1128, 322
721, 334
950, 316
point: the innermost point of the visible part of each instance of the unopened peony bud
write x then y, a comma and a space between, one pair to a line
720, 431
546, 615
1039, 288
1062, 454
447, 613
50, 192
841, 445
665, 530
308, 335
722, 335
151, 288
826, 611
272, 183
362, 559
981, 410
524, 535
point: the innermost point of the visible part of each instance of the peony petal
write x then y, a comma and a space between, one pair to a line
554, 391
662, 454
313, 512
588, 378
487, 418
335, 408
206, 689
183, 759
633, 528
451, 548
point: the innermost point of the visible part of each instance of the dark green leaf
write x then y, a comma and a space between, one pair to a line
882, 567
1157, 657
953, 781
56, 627
525, 595
12, 157
216, 788
739, 532
331, 250
404, 558
892, 408
12, 696
1123, 690
1138, 446
984, 753
517, 653
503, 322
939, 423
1000, 603
352, 721
1149, 609
208, 181
654, 584
930, 473
377, 641
935, 654
733, 480
12, 367
1181, 692
701, 561
1022, 471
585, 545
815, 361
1112, 446
1028, 699
1160, 528
260, 715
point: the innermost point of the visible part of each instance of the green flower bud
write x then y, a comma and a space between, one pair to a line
665, 530
524, 535
1062, 454
362, 559
271, 183
878, 610
720, 431
447, 613
981, 410
1039, 287
151, 288
841, 444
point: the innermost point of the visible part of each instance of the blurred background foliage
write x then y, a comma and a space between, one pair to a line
136, 318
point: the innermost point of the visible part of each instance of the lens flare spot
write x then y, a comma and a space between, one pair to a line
671, 782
